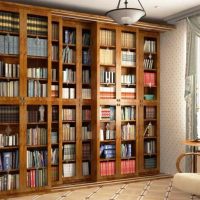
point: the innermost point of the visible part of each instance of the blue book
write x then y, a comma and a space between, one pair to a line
7, 161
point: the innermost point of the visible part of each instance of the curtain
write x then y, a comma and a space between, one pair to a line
192, 81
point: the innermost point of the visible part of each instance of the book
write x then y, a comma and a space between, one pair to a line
107, 168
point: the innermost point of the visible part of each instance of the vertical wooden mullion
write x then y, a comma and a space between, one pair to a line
60, 139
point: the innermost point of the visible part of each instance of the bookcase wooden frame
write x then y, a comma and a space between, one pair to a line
68, 19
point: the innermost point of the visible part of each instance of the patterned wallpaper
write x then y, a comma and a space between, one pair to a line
172, 104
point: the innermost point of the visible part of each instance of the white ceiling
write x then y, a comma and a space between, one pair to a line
155, 9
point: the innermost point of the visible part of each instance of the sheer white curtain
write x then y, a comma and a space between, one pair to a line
198, 89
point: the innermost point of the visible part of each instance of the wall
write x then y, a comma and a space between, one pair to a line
172, 107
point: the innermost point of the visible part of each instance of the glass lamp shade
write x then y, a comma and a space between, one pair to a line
126, 16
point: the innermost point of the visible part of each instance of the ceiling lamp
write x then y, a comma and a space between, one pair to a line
126, 16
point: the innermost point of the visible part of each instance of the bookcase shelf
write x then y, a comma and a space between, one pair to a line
68, 71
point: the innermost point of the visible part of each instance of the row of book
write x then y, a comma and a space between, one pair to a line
86, 57
107, 37
126, 150
148, 63
86, 151
9, 44
69, 55
9, 182
128, 79
37, 89
54, 90
36, 158
69, 152
128, 132
108, 133
86, 168
37, 47
34, 114
69, 36
54, 173
107, 113
36, 136
86, 76
128, 58
128, 40
9, 140
68, 93
150, 146
127, 166
128, 93
69, 76
69, 114
86, 93
149, 79
86, 132
9, 88
9, 114
107, 151
69, 132
54, 137
107, 56
55, 53
149, 162
86, 38
9, 70
86, 114
37, 25
9, 160
40, 72
107, 168
37, 178
150, 112
54, 156
55, 113
107, 76
55, 31
54, 74
107, 92
69, 169
150, 46
128, 113
9, 21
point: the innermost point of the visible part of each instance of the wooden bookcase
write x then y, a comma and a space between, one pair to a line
82, 99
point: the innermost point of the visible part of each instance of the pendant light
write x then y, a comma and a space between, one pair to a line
126, 16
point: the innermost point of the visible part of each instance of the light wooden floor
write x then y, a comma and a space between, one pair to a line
161, 189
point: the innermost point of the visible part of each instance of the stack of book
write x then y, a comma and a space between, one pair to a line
128, 113
86, 114
9, 70
54, 156
128, 132
148, 63
86, 151
86, 168
9, 44
69, 55
9, 88
86, 93
107, 76
127, 166
36, 159
55, 51
150, 46
86, 58
86, 132
150, 147
150, 162
128, 40
69, 152
128, 59
107, 92
40, 72
86, 76
9, 182
68, 114
107, 151
107, 113
126, 150
9, 140
149, 79
128, 79
37, 177
128, 93
9, 114
107, 168
86, 39
37, 47
36, 136
150, 112
37, 25
69, 76
69, 132
69, 169
68, 93
9, 21
69, 37
107, 56
107, 38
55, 32
9, 160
